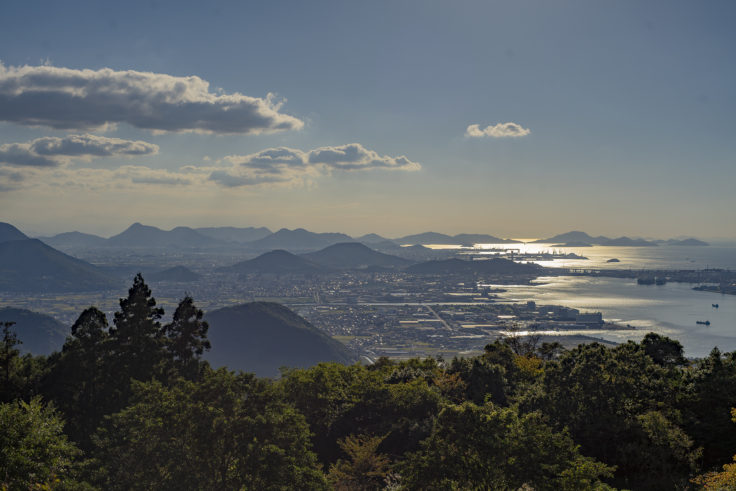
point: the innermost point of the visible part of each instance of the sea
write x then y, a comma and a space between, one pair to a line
672, 309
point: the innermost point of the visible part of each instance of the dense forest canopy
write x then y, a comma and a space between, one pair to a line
133, 405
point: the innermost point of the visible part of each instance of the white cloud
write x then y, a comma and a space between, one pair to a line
54, 151
291, 166
500, 130
270, 167
70, 99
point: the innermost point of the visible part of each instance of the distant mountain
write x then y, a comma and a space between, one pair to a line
143, 236
41, 334
32, 266
460, 266
298, 240
178, 274
353, 255
371, 239
461, 239
426, 238
74, 240
8, 232
235, 234
275, 262
686, 242
627, 242
574, 236
582, 237
471, 239
262, 337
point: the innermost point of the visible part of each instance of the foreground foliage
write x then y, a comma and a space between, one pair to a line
138, 408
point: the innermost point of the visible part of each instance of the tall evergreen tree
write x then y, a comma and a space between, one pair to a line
186, 338
78, 380
136, 346
8, 356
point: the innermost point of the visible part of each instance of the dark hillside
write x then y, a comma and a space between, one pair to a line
40, 334
261, 337
32, 266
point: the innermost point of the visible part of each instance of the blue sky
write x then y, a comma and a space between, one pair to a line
630, 108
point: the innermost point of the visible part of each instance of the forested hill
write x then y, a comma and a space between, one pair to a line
261, 337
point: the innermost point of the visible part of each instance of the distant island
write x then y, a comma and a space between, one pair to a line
581, 239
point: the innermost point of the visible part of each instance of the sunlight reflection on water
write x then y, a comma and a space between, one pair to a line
670, 309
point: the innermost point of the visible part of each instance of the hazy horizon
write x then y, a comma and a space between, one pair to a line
514, 119
522, 238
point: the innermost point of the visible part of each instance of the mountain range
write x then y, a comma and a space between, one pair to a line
298, 240
581, 239
461, 239
262, 337
29, 265
138, 235
342, 256
240, 235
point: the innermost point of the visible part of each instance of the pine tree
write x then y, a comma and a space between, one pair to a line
186, 338
137, 345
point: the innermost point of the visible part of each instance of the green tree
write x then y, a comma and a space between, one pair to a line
485, 447
620, 406
706, 406
34, 452
186, 338
717, 481
663, 350
224, 431
136, 346
366, 469
79, 381
323, 394
9, 355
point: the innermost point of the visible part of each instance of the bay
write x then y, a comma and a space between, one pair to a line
672, 309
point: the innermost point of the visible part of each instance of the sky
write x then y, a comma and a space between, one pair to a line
514, 118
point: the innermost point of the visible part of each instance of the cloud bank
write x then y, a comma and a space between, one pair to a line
291, 166
69, 99
500, 130
54, 151
39, 163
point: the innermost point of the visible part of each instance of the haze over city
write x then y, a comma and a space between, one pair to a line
386, 117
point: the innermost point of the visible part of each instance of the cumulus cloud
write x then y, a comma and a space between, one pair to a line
292, 166
54, 151
70, 99
500, 130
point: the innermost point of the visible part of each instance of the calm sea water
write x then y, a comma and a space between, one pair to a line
670, 309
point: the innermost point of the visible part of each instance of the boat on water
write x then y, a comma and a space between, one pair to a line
703, 323
715, 305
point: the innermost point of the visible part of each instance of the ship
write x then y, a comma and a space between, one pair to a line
703, 323
715, 305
